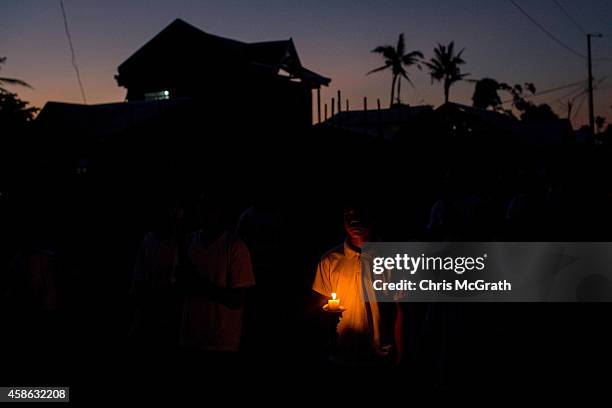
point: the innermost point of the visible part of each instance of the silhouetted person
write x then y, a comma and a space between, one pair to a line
260, 227
459, 215
216, 278
156, 314
527, 210
35, 280
33, 289
360, 333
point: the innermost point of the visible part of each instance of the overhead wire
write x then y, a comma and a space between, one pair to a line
75, 65
546, 31
569, 17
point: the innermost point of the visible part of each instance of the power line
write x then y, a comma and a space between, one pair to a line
598, 14
580, 103
546, 31
558, 88
571, 95
600, 60
582, 97
577, 93
551, 90
72, 53
597, 86
569, 16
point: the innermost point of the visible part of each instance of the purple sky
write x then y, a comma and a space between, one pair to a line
333, 38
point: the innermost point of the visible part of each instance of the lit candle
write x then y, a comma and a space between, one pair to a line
333, 303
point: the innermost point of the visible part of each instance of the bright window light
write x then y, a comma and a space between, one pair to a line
156, 96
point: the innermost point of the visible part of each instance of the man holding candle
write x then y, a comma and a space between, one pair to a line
360, 334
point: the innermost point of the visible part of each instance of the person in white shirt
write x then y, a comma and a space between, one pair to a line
218, 275
359, 332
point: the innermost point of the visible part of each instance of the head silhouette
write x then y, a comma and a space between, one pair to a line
357, 224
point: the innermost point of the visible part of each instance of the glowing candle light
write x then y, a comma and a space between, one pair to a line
333, 303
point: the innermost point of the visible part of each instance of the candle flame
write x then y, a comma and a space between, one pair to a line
334, 296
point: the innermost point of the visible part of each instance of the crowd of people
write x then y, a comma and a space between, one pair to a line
219, 278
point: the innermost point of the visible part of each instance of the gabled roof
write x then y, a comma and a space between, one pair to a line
274, 53
182, 38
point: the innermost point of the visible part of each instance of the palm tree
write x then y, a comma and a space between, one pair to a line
397, 59
446, 66
10, 81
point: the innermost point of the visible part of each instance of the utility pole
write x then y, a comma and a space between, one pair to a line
591, 107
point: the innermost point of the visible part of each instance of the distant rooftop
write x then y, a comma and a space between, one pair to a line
105, 119
375, 122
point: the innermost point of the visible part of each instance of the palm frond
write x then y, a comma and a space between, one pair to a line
412, 58
459, 54
387, 51
381, 49
407, 78
439, 52
401, 45
14, 81
415, 54
379, 69
11, 81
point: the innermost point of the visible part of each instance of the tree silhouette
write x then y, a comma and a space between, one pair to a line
519, 95
10, 81
529, 111
538, 113
486, 93
397, 60
13, 111
446, 66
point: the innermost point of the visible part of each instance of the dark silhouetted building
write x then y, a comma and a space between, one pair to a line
263, 79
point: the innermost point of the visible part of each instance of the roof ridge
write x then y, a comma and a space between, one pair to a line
269, 42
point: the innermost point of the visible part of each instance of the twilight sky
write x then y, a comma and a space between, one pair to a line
333, 37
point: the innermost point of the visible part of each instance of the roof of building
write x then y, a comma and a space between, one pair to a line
376, 121
397, 114
100, 120
547, 132
181, 40
485, 116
